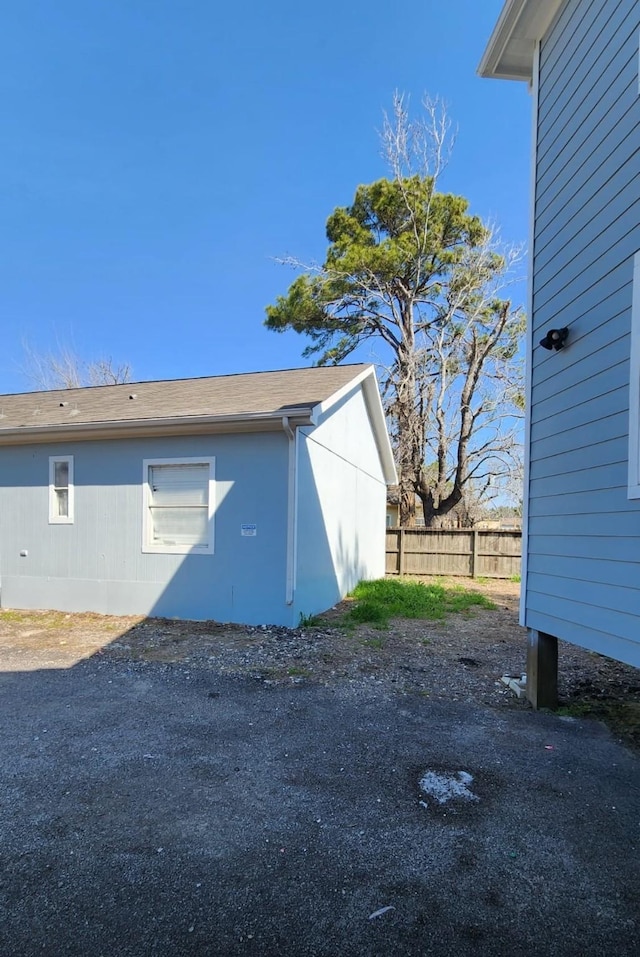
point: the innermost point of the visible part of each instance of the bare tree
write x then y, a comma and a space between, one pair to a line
410, 267
64, 369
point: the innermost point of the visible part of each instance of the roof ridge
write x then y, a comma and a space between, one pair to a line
183, 379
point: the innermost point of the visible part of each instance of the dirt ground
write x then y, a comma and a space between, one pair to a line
461, 658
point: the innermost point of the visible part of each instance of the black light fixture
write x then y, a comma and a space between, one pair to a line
555, 339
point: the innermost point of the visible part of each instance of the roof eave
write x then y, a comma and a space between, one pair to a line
138, 428
510, 51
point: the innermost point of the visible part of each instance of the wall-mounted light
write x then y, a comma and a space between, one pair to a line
555, 339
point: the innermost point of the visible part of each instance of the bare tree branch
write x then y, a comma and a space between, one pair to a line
64, 369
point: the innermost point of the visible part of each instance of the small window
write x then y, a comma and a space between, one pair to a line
61, 490
178, 506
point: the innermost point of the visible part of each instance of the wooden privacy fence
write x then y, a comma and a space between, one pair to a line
468, 552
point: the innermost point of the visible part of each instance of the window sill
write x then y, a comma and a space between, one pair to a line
177, 549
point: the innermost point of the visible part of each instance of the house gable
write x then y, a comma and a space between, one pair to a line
186, 506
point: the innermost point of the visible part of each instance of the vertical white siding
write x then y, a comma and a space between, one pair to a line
583, 570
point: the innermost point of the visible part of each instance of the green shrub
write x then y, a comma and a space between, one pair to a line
378, 601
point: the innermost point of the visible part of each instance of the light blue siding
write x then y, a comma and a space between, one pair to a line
602, 405
583, 572
581, 437
611, 202
602, 548
608, 572
607, 641
590, 353
97, 563
318, 529
588, 94
600, 453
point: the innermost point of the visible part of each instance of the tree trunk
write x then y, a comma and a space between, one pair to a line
409, 426
407, 503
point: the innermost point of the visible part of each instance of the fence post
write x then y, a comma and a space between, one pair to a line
401, 553
475, 558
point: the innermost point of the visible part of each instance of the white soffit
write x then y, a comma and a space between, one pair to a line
522, 23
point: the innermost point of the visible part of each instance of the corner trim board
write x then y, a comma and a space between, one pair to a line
634, 387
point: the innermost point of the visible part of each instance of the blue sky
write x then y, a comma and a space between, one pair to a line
155, 157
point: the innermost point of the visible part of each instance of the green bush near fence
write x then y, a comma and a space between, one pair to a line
378, 601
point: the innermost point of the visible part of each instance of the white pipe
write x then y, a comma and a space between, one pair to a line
291, 509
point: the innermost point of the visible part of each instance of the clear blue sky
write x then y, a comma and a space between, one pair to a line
155, 156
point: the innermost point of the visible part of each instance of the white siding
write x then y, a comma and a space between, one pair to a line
341, 514
583, 576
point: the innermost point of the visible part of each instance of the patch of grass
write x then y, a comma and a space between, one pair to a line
367, 610
378, 601
55, 619
296, 672
621, 717
373, 643
309, 621
41, 619
577, 709
515, 578
6, 615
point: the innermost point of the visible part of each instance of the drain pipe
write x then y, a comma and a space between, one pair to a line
291, 508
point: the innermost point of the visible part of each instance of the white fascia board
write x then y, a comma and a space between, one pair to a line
521, 25
179, 425
533, 174
324, 406
369, 384
379, 422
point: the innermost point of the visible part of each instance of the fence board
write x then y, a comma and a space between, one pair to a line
475, 553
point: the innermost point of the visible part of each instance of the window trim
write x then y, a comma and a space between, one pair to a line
54, 518
148, 546
634, 386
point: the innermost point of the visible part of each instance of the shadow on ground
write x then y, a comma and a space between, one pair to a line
158, 809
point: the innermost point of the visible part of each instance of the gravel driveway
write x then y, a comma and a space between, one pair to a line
161, 795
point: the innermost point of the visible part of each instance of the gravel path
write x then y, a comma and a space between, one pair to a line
461, 658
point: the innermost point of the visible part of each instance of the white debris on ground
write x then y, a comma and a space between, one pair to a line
516, 683
381, 911
446, 787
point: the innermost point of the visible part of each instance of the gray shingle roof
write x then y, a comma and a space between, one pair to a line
255, 393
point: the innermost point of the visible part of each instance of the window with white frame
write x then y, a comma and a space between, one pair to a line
178, 503
61, 498
634, 386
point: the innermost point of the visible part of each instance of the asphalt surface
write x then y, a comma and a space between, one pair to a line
156, 810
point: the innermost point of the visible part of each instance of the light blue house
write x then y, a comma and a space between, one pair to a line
251, 498
581, 577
